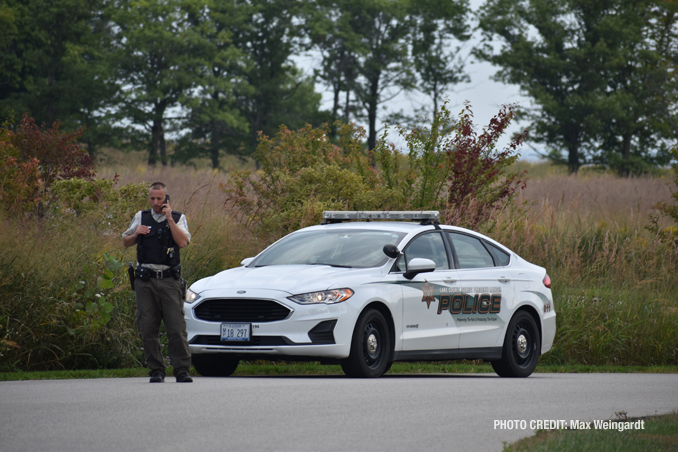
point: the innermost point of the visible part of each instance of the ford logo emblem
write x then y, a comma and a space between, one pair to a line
242, 291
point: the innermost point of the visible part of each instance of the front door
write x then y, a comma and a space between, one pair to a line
425, 325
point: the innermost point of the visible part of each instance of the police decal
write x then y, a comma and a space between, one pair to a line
428, 294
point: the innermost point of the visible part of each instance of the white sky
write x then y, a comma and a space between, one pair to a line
485, 95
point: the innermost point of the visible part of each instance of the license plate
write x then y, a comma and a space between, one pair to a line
235, 331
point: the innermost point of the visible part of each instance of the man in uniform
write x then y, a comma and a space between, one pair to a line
159, 233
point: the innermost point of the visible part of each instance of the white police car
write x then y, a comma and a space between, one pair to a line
365, 294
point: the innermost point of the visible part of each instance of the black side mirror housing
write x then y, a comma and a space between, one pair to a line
391, 250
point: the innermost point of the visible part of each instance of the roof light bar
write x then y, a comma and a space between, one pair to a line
339, 215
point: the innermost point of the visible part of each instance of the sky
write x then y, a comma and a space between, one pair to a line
484, 94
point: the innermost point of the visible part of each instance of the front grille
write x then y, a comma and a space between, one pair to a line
241, 310
254, 341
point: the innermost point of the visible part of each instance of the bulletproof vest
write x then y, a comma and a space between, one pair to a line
157, 247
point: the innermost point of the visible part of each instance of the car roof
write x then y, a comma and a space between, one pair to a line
399, 226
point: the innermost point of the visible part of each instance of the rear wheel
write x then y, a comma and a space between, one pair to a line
522, 346
214, 365
370, 347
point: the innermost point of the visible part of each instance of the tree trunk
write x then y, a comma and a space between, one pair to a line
625, 170
372, 103
216, 144
573, 158
157, 143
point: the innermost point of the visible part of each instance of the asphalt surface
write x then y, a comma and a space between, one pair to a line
317, 413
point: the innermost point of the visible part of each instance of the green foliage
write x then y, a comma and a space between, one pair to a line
98, 200
438, 63
63, 303
55, 64
600, 73
158, 61
64, 299
446, 168
302, 174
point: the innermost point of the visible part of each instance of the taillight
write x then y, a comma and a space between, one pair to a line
547, 281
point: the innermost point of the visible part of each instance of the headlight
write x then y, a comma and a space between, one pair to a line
325, 297
191, 296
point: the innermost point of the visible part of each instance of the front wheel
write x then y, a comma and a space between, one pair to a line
522, 346
370, 347
214, 365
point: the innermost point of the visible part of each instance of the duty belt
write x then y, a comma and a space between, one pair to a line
161, 274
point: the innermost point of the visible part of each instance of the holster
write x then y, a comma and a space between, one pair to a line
142, 273
130, 272
176, 272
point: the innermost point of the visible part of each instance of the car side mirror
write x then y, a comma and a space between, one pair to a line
245, 262
391, 250
419, 265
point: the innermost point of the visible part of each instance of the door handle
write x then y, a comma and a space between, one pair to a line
503, 279
449, 281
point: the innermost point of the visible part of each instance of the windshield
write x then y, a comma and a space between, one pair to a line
337, 248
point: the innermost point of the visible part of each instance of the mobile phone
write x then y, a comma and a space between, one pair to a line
166, 199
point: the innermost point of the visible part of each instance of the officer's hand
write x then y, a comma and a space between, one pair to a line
167, 210
143, 230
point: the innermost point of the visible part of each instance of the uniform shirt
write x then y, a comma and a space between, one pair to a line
136, 222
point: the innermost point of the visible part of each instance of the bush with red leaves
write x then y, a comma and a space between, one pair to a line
478, 182
33, 158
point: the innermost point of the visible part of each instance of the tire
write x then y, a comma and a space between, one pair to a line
522, 347
214, 365
370, 347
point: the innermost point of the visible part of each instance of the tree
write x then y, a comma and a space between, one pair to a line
379, 33
364, 46
212, 115
250, 84
329, 33
437, 63
584, 65
53, 64
158, 58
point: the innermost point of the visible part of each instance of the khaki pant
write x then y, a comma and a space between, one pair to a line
160, 300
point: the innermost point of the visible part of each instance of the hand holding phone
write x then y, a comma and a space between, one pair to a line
165, 205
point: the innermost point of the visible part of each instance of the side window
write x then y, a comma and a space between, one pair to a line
427, 246
501, 257
470, 251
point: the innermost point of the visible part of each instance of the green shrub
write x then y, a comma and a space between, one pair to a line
446, 167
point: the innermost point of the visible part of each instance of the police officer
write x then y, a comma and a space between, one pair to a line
159, 233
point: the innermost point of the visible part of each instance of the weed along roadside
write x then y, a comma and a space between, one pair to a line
65, 302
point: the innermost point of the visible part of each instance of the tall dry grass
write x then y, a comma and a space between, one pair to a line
614, 283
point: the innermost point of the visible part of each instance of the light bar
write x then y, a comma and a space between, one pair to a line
380, 215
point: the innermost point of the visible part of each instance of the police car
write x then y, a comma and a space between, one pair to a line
364, 294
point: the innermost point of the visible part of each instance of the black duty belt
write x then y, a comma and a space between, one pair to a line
145, 273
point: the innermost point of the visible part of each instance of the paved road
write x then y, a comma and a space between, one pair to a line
393, 413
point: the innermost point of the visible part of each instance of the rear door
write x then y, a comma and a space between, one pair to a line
484, 296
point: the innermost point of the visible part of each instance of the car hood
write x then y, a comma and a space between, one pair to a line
292, 279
